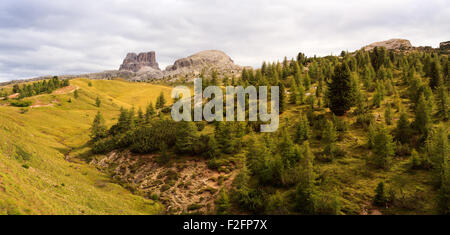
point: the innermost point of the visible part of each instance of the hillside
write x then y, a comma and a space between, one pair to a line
364, 133
37, 172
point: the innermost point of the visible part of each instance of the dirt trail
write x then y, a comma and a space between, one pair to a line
60, 91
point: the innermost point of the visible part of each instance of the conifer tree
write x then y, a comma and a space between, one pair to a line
282, 97
380, 195
307, 82
98, 128
341, 95
383, 148
435, 73
304, 196
303, 132
388, 114
98, 102
149, 112
161, 101
186, 138
403, 131
140, 116
293, 97
422, 121
301, 93
442, 102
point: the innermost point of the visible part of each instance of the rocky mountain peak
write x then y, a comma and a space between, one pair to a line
391, 44
134, 62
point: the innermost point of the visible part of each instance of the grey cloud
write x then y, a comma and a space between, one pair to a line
45, 37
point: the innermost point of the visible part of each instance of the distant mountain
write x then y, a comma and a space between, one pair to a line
190, 66
392, 44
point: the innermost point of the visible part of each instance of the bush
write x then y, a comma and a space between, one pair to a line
21, 103
365, 119
402, 150
103, 146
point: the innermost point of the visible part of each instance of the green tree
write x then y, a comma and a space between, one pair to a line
422, 122
75, 94
435, 74
293, 97
149, 112
186, 138
98, 102
383, 148
98, 128
304, 195
402, 132
380, 195
161, 101
282, 96
303, 131
388, 115
442, 101
340, 92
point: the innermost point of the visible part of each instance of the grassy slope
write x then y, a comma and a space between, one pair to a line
40, 139
48, 133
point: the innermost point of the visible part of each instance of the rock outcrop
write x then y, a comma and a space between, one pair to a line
444, 46
203, 61
144, 69
392, 44
134, 62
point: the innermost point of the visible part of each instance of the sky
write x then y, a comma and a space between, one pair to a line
48, 37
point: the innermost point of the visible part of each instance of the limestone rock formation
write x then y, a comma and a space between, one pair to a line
203, 61
444, 46
134, 62
392, 44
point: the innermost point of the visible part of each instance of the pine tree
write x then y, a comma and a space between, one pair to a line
282, 97
140, 117
303, 132
98, 128
304, 196
293, 98
383, 148
435, 74
403, 131
301, 93
329, 135
388, 115
380, 195
149, 112
307, 82
422, 122
161, 101
186, 138
224, 136
442, 101
340, 92
75, 94
98, 102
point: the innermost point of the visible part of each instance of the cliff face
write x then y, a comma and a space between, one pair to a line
134, 62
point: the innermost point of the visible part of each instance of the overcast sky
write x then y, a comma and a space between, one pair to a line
48, 37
